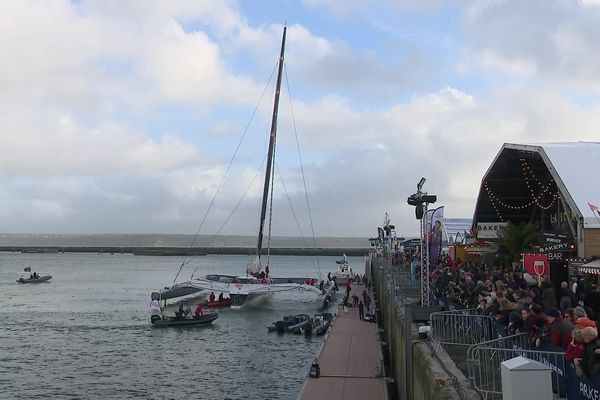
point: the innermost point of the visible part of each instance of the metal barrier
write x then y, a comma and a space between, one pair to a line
401, 282
462, 327
484, 361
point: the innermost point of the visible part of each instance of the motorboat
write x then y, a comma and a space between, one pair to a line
301, 323
319, 325
343, 274
291, 324
40, 279
279, 326
205, 319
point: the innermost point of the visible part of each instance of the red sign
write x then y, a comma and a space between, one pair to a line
536, 264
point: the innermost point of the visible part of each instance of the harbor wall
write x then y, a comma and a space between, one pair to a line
184, 251
419, 369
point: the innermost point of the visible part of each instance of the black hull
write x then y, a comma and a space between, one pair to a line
174, 321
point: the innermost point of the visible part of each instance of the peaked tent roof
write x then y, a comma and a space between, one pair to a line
575, 167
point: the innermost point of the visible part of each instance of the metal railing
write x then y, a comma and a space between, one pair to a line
484, 361
462, 327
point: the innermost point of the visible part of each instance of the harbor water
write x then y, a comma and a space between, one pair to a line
86, 334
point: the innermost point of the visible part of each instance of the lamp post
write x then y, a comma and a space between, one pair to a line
421, 200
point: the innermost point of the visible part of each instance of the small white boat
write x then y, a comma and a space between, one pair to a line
343, 274
39, 279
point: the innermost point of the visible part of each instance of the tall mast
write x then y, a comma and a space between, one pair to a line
270, 156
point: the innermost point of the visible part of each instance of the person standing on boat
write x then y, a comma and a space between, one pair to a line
155, 308
221, 296
199, 310
267, 271
211, 298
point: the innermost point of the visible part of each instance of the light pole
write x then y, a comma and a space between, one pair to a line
421, 201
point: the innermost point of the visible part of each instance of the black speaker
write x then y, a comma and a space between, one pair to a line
419, 211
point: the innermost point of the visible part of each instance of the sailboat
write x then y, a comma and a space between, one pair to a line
257, 282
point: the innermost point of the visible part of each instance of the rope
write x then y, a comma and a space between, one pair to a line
240, 200
302, 170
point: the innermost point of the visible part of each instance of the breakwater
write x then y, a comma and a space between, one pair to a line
184, 251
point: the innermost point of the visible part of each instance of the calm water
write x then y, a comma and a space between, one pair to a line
86, 334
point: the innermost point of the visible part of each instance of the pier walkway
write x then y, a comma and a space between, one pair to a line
349, 359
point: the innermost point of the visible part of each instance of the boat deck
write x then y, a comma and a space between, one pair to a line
349, 360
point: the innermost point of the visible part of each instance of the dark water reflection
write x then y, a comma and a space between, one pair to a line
86, 334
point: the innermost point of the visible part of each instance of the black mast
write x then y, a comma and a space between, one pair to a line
270, 156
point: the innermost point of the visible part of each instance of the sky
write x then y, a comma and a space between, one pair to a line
123, 117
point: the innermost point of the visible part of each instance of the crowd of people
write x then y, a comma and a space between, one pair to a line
555, 318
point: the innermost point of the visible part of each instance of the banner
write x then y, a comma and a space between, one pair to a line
427, 218
435, 245
536, 264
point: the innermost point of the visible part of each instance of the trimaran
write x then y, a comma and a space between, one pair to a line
254, 284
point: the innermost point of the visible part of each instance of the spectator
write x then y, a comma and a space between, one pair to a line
590, 362
361, 314
575, 347
527, 317
549, 298
564, 291
515, 323
540, 335
560, 329
581, 319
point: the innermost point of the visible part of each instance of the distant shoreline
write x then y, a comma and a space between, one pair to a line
183, 251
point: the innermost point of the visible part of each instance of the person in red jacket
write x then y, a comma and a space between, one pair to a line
560, 329
575, 348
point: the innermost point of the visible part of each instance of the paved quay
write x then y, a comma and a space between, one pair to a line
349, 359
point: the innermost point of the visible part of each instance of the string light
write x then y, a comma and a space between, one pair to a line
544, 190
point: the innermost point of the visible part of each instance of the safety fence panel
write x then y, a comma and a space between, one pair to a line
485, 370
464, 327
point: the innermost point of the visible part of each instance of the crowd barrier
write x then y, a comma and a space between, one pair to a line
462, 327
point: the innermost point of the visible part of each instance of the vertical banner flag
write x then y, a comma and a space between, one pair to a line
435, 245
427, 218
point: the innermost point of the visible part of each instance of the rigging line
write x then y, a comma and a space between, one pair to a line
301, 167
185, 260
280, 175
240, 200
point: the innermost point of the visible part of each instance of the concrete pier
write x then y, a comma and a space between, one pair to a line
350, 359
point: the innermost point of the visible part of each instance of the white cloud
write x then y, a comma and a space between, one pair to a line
546, 39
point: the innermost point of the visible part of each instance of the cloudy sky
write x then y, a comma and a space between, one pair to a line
122, 117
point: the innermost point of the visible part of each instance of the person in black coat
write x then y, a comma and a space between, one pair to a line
361, 311
590, 362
